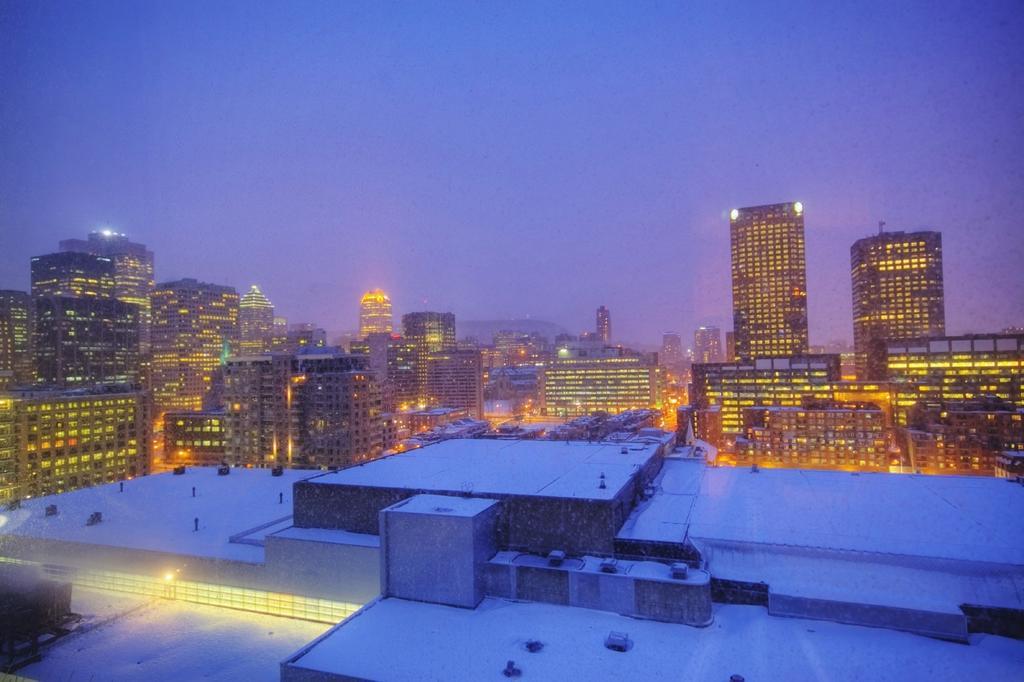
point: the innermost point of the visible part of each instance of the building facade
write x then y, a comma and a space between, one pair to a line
603, 326
375, 315
707, 345
455, 379
897, 294
68, 439
255, 322
769, 280
195, 326
581, 381
195, 438
17, 366
79, 275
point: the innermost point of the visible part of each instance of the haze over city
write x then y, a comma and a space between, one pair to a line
516, 161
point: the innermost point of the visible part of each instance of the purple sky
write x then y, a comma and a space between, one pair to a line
514, 159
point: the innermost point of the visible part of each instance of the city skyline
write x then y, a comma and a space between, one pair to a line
923, 143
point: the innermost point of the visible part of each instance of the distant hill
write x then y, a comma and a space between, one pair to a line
484, 330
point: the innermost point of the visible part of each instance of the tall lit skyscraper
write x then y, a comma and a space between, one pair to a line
604, 325
707, 344
428, 332
79, 341
16, 337
133, 271
769, 280
195, 325
897, 294
375, 314
255, 322
671, 356
82, 275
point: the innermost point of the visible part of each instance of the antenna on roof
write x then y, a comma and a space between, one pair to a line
881, 226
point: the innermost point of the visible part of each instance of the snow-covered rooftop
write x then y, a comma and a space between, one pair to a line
956, 517
447, 505
157, 513
510, 467
448, 643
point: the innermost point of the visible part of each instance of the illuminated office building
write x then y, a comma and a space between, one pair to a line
16, 362
375, 314
816, 435
87, 340
279, 333
195, 326
963, 437
707, 344
727, 388
730, 346
303, 335
429, 332
769, 280
255, 322
311, 410
78, 275
8, 451
133, 271
897, 294
937, 370
68, 439
671, 356
603, 326
581, 381
455, 379
194, 438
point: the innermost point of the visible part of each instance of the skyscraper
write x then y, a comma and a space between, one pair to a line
375, 314
769, 280
455, 379
897, 294
133, 271
707, 344
255, 322
604, 325
82, 275
195, 325
428, 332
16, 338
671, 356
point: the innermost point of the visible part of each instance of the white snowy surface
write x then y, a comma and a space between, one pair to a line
515, 467
448, 505
957, 517
157, 512
338, 537
126, 637
402, 640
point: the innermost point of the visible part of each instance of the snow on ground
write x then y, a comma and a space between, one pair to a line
157, 512
126, 637
447, 643
525, 467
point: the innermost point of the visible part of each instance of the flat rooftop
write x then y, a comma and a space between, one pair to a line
504, 467
955, 517
448, 643
157, 513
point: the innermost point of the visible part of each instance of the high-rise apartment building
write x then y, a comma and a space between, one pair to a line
429, 332
86, 340
17, 366
582, 380
672, 356
707, 345
8, 451
68, 439
195, 326
133, 271
375, 314
455, 379
897, 294
603, 325
769, 280
255, 322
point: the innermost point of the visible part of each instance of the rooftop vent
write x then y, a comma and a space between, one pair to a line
277, 471
679, 570
754, 469
624, 450
51, 510
534, 645
556, 557
223, 470
610, 565
179, 471
737, 678
511, 670
618, 641
94, 518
